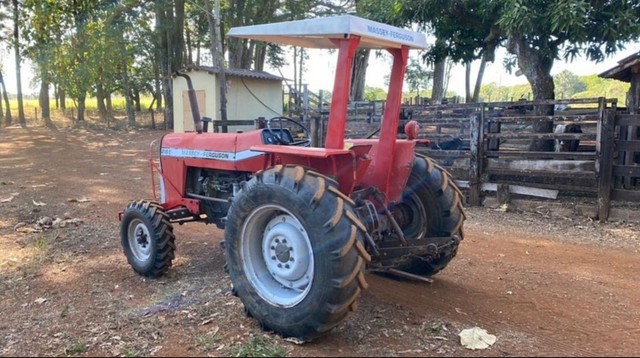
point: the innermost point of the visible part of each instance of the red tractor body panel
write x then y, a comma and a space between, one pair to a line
390, 181
244, 152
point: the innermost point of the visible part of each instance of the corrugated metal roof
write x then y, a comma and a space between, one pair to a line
622, 71
261, 75
319, 33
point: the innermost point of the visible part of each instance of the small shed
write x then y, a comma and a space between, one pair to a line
250, 94
628, 70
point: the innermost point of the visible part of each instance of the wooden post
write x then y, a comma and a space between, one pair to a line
315, 123
475, 157
503, 194
632, 131
604, 159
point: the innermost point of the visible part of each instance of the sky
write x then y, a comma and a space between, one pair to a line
320, 70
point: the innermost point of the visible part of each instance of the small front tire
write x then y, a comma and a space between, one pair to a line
147, 238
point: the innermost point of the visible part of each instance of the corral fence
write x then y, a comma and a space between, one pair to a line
486, 147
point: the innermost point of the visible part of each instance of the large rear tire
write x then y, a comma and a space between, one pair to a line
431, 206
147, 238
294, 251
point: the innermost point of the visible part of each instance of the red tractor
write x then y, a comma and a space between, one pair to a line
303, 224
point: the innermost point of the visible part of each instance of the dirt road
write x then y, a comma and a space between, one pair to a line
543, 285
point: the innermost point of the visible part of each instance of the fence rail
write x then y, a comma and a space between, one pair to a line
488, 146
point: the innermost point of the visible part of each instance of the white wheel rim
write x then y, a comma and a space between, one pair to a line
277, 257
139, 240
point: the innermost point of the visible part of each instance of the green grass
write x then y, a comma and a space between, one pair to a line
130, 352
259, 347
77, 347
207, 341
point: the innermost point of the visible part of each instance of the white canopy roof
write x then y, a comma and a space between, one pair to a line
315, 33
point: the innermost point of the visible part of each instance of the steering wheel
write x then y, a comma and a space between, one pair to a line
282, 139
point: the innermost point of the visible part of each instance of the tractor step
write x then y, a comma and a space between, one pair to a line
179, 214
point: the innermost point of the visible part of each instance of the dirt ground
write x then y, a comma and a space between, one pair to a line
544, 285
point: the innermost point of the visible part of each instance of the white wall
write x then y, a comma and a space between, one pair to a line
241, 103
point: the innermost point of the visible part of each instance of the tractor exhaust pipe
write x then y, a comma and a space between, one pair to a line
193, 102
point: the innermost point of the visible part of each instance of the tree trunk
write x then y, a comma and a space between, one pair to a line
5, 96
476, 90
301, 67
537, 69
189, 47
198, 54
44, 101
136, 99
125, 82
63, 98
467, 82
102, 109
438, 81
218, 58
81, 107
358, 74
164, 24
55, 95
107, 98
178, 36
295, 71
16, 49
259, 56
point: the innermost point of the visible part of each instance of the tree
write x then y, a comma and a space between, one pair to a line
5, 97
465, 31
5, 15
18, 56
567, 84
42, 32
417, 77
536, 32
542, 31
170, 48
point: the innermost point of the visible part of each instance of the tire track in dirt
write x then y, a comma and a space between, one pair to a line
572, 299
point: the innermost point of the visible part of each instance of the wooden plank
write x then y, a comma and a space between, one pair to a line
515, 189
533, 155
554, 186
536, 118
443, 153
627, 146
443, 136
604, 148
545, 102
625, 195
626, 171
445, 118
541, 173
569, 136
542, 165
627, 120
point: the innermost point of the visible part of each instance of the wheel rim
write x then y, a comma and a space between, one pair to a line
139, 240
277, 257
411, 217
